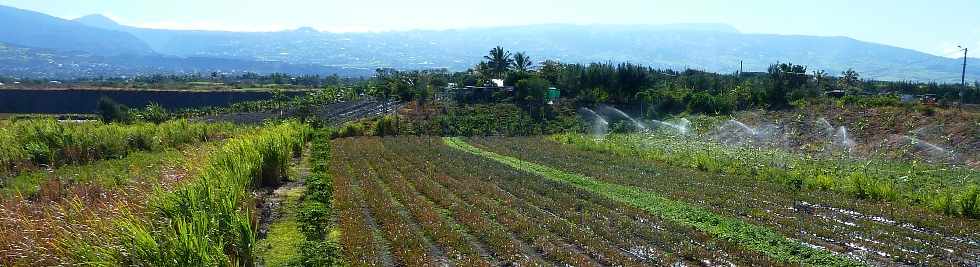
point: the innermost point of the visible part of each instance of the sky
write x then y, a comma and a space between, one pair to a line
932, 26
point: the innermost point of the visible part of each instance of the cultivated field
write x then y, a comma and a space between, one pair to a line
286, 195
874, 232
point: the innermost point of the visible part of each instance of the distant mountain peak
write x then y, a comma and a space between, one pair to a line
306, 30
99, 21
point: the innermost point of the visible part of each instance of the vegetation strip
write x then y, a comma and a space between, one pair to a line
316, 217
210, 220
952, 190
29, 144
748, 235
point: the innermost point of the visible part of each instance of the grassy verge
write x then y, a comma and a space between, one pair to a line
749, 236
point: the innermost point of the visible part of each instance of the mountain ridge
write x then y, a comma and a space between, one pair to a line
710, 47
33, 29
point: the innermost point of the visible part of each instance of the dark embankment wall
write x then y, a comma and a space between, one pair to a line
44, 101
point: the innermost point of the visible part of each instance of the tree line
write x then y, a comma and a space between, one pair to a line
650, 90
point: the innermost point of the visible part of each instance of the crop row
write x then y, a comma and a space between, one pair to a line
745, 235
510, 217
876, 232
316, 215
25, 144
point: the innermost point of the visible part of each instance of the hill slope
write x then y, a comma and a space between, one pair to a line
36, 63
32, 29
711, 47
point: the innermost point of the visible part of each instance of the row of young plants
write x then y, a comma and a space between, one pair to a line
512, 221
459, 213
879, 233
953, 190
211, 220
408, 245
748, 236
468, 120
316, 216
25, 144
512, 217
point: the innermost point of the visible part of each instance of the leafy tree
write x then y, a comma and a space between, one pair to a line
522, 62
850, 81
823, 80
532, 90
592, 97
784, 78
551, 70
498, 61
154, 113
631, 78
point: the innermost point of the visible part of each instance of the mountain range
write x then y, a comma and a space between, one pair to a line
711, 47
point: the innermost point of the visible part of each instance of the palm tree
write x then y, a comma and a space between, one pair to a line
499, 61
522, 62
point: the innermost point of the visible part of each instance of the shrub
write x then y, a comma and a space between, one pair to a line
110, 111
969, 201
822, 182
154, 113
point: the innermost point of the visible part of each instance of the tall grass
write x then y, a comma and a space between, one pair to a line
211, 220
46, 142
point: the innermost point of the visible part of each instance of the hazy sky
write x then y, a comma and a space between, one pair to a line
934, 26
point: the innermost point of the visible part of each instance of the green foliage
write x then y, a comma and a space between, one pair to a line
522, 62
351, 130
321, 247
35, 142
532, 91
151, 113
499, 61
592, 97
208, 222
110, 111
386, 126
469, 120
942, 188
134, 168
871, 101
783, 79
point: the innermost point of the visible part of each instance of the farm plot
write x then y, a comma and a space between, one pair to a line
877, 233
414, 201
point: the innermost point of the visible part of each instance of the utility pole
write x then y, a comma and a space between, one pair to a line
963, 78
740, 68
